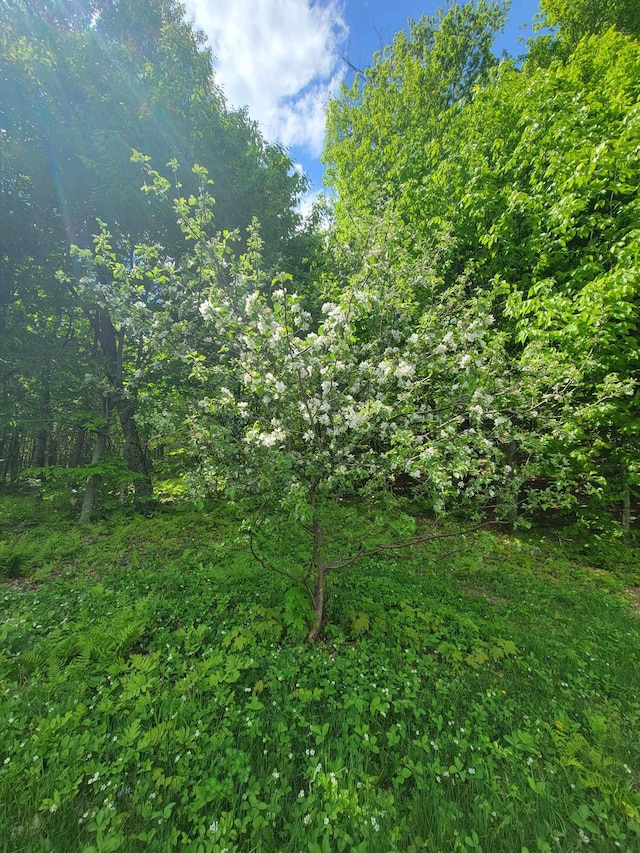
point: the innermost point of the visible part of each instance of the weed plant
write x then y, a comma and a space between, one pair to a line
157, 695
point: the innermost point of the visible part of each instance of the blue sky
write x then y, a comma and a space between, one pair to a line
284, 59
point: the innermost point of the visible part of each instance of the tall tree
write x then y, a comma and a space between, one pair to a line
578, 18
384, 129
81, 87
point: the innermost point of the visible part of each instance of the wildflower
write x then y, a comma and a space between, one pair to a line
301, 794
275, 774
306, 819
326, 821
214, 827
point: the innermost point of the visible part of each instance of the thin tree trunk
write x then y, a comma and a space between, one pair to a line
320, 571
626, 500
40, 444
93, 482
512, 500
3, 459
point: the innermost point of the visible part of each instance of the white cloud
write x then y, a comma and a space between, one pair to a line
305, 205
281, 58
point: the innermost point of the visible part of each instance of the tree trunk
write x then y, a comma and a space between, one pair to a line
512, 499
40, 444
3, 459
134, 455
626, 500
320, 571
14, 461
112, 343
52, 447
78, 447
94, 480
39, 447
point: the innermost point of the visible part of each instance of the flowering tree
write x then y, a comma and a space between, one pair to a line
301, 414
394, 380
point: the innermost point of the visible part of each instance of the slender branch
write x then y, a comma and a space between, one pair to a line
270, 567
392, 546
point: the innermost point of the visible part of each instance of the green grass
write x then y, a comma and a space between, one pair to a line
157, 695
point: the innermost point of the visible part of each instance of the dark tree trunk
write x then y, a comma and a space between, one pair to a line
134, 454
40, 444
52, 447
39, 448
93, 482
78, 447
112, 342
3, 459
14, 460
626, 500
512, 499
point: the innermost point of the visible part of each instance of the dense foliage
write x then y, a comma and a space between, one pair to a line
522, 187
467, 328
457, 349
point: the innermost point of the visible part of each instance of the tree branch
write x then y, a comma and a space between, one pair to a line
392, 546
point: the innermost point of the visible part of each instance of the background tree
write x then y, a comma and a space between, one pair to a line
384, 129
80, 89
530, 192
578, 18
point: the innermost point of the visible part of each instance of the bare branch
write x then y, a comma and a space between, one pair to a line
392, 546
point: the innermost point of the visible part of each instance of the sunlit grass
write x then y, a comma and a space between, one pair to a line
156, 695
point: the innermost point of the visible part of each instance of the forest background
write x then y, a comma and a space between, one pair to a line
449, 344
460, 326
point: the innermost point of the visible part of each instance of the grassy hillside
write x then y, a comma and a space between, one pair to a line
480, 693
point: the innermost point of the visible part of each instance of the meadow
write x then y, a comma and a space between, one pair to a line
477, 693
